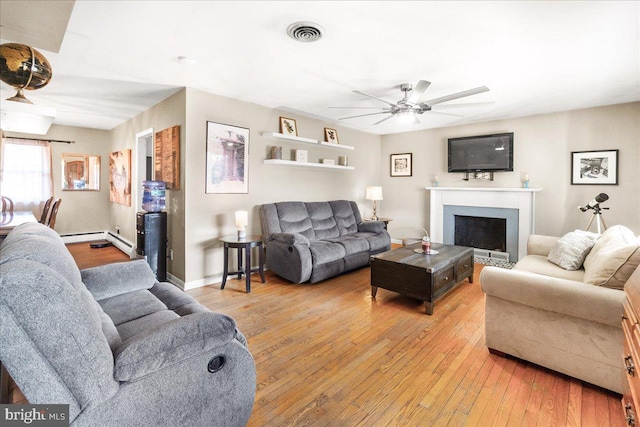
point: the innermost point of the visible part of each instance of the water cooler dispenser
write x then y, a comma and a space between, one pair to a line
152, 241
151, 227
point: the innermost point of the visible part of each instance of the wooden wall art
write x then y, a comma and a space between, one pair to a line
120, 177
166, 157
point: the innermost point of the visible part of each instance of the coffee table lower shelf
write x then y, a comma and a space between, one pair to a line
424, 277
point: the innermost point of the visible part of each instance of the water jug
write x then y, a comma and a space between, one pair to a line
153, 197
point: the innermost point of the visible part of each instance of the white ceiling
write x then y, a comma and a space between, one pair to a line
119, 58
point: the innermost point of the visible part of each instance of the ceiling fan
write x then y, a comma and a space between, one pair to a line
409, 106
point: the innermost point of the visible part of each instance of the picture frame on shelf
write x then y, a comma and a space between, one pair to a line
302, 156
288, 126
401, 164
331, 136
226, 169
598, 167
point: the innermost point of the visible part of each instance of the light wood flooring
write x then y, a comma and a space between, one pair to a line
329, 355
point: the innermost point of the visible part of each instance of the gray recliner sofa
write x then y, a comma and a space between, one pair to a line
316, 240
115, 345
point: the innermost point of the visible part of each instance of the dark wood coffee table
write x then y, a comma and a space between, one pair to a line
425, 277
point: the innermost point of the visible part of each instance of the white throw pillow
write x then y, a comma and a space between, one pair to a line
613, 259
571, 249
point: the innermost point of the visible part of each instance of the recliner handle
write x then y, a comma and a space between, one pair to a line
216, 363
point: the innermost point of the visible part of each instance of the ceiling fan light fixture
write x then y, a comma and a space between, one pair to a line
407, 116
305, 31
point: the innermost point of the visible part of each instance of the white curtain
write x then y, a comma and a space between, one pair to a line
25, 173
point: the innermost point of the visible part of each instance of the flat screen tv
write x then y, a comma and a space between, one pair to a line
484, 153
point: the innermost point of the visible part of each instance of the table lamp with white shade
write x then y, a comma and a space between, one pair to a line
374, 193
242, 220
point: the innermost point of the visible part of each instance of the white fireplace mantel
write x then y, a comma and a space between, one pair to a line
522, 199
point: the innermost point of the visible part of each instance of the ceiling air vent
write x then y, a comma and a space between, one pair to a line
305, 31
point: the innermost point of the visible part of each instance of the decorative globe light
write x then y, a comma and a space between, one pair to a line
23, 67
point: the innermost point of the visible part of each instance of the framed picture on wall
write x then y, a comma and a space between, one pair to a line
594, 167
288, 126
227, 172
120, 177
401, 164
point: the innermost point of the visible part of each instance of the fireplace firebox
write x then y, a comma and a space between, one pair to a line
481, 232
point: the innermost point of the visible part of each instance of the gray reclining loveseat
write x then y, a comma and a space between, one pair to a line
115, 345
317, 240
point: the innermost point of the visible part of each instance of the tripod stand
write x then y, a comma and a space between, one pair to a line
597, 215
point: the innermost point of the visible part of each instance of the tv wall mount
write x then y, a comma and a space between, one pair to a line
478, 175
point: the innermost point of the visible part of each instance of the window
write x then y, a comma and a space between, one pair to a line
25, 172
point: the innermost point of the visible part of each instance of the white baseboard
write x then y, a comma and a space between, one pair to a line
212, 280
175, 281
192, 284
396, 241
84, 237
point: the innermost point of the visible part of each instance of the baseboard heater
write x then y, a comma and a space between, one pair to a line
491, 254
82, 237
118, 242
121, 240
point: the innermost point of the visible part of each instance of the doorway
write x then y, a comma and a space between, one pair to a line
144, 164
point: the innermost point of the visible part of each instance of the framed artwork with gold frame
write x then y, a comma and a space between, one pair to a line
331, 136
288, 126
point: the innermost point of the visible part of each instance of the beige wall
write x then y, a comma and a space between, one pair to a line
165, 114
80, 211
542, 148
210, 216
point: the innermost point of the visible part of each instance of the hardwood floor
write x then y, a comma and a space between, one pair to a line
87, 257
329, 355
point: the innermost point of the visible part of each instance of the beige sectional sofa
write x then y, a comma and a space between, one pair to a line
565, 320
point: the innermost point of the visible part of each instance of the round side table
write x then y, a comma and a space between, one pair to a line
243, 268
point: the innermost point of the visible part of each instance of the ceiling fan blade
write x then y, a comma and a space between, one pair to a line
375, 97
363, 115
418, 91
453, 96
386, 118
445, 114
361, 108
466, 105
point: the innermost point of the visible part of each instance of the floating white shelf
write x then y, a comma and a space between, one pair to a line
307, 140
290, 137
304, 164
338, 146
